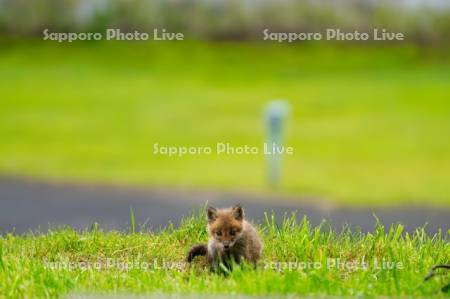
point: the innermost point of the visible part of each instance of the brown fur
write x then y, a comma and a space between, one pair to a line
231, 237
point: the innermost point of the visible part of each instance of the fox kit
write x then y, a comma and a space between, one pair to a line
231, 237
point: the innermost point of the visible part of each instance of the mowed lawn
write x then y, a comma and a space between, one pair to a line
368, 124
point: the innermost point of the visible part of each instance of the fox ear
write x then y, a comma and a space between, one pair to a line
238, 212
212, 214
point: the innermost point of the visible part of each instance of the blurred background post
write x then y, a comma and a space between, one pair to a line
275, 114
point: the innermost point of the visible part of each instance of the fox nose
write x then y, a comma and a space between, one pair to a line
226, 246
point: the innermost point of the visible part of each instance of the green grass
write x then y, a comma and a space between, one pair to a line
33, 265
369, 124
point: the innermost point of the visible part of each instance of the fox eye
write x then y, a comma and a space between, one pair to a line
232, 232
219, 233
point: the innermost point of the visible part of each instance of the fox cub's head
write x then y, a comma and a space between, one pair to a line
225, 225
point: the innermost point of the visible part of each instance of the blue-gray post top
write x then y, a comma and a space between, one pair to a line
275, 112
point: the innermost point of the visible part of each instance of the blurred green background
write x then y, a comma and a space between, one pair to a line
370, 122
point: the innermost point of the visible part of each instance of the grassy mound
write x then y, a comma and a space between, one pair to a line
297, 259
